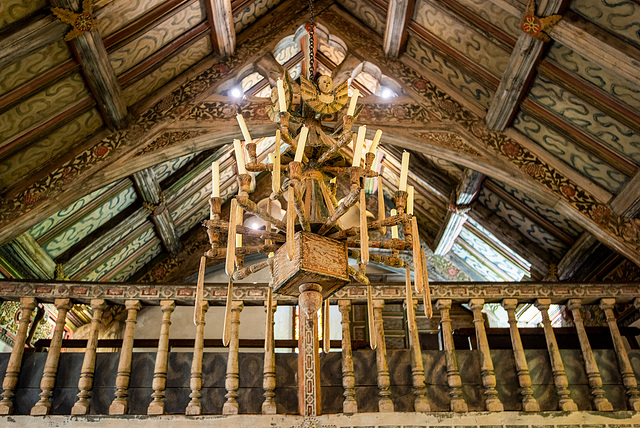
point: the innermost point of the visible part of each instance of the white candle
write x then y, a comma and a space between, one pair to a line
402, 184
376, 140
276, 164
237, 145
215, 179
394, 229
352, 103
302, 140
281, 98
243, 128
239, 221
410, 191
357, 150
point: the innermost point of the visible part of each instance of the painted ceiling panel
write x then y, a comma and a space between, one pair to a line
138, 263
492, 13
464, 83
286, 49
31, 66
53, 145
199, 214
518, 259
475, 264
592, 121
14, 10
150, 42
167, 71
621, 17
42, 106
167, 168
576, 157
543, 210
523, 224
604, 79
366, 13
89, 223
461, 38
251, 13
119, 13
514, 272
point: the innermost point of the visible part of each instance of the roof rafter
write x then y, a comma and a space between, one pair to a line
219, 15
395, 35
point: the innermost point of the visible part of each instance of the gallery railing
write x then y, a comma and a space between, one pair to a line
445, 295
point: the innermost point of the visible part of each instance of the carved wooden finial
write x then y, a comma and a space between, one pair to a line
81, 22
536, 26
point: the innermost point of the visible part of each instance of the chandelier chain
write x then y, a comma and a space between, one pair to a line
312, 24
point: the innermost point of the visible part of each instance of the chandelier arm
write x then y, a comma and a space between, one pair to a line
246, 271
243, 251
358, 276
394, 262
298, 204
262, 234
342, 209
252, 208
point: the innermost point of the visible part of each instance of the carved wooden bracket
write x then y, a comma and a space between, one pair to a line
536, 26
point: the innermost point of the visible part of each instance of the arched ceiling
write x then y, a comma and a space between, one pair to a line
105, 140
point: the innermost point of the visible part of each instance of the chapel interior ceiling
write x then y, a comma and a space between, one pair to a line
106, 140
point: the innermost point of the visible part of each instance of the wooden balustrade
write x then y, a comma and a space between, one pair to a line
445, 300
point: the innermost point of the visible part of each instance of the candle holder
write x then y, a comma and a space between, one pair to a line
244, 183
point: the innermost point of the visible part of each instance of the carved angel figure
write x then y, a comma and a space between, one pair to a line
273, 109
321, 98
535, 26
81, 22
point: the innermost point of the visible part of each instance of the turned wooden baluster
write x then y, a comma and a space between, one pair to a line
27, 305
595, 381
81, 407
384, 381
420, 402
626, 370
231, 383
269, 370
43, 406
194, 407
565, 402
349, 405
119, 405
492, 402
458, 404
529, 404
156, 407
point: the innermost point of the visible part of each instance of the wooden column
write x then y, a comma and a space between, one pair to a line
269, 370
384, 381
453, 374
309, 301
349, 405
595, 381
43, 406
27, 305
119, 405
81, 407
565, 403
492, 402
156, 407
529, 404
194, 407
420, 402
626, 370
231, 382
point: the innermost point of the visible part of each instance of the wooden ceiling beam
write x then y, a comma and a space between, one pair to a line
399, 15
28, 258
465, 193
519, 74
223, 34
575, 259
148, 187
42, 31
90, 52
345, 69
627, 202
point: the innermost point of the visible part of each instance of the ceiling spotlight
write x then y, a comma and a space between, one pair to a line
236, 92
386, 93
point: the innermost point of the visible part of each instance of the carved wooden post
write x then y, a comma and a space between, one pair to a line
231, 383
269, 371
565, 402
384, 381
27, 305
492, 402
628, 377
529, 404
310, 300
119, 405
420, 402
453, 374
43, 406
595, 381
81, 407
156, 407
349, 405
194, 407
